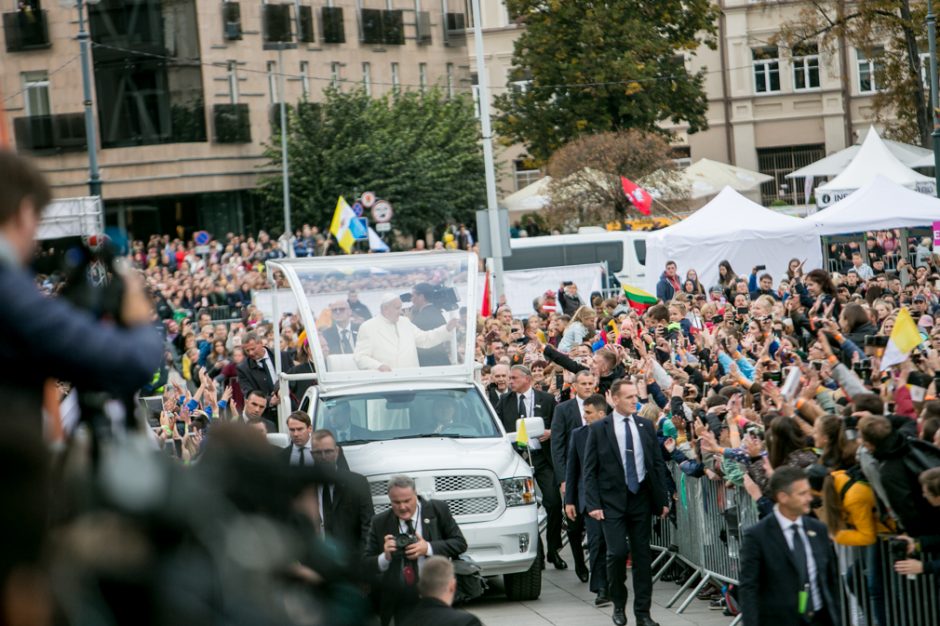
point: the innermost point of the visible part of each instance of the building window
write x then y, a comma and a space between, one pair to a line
778, 162
871, 69
423, 76
36, 93
367, 77
766, 69
525, 173
806, 67
396, 78
305, 79
451, 84
334, 74
272, 81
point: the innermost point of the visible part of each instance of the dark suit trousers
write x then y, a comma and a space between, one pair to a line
575, 539
634, 525
597, 552
551, 498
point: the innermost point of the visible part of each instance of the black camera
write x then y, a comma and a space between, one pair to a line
897, 549
876, 341
94, 281
776, 376
445, 298
403, 540
760, 268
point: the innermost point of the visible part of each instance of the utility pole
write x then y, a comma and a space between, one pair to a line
94, 177
285, 166
934, 99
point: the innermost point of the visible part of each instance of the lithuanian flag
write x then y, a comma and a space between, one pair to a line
904, 338
639, 299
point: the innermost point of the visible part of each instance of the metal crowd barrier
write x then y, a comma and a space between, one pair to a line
706, 535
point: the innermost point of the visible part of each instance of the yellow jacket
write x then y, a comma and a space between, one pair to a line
859, 512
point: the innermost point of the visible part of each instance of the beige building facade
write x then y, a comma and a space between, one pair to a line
770, 109
186, 92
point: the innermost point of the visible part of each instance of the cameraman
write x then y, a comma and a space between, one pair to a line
426, 315
49, 337
401, 540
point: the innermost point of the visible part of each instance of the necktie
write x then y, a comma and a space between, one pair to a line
522, 411
408, 570
633, 482
799, 555
327, 504
302, 450
345, 343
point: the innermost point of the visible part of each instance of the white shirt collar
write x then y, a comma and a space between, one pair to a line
784, 521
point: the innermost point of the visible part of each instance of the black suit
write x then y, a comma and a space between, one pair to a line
493, 396
542, 467
253, 376
770, 582
334, 342
574, 494
350, 517
626, 515
438, 528
287, 453
566, 419
428, 318
433, 611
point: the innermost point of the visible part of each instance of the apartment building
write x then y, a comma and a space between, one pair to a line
186, 92
771, 109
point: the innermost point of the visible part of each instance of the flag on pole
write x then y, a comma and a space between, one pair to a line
485, 309
522, 438
375, 242
344, 225
639, 299
904, 338
638, 197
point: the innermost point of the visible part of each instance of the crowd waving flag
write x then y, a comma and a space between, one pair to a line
345, 225
904, 338
638, 197
639, 299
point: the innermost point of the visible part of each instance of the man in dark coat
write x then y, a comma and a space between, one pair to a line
624, 485
341, 335
668, 285
346, 509
257, 372
437, 587
526, 401
789, 571
428, 529
428, 316
49, 337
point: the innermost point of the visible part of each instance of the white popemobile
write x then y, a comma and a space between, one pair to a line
417, 409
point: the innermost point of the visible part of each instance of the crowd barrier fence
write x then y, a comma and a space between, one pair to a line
706, 534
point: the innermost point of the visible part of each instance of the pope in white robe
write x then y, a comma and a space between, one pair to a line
389, 341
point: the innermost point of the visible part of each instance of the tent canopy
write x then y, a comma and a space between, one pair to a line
835, 164
705, 178
878, 205
731, 227
532, 197
874, 159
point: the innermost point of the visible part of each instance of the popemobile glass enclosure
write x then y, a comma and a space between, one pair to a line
375, 317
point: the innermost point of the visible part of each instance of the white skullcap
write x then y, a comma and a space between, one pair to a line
388, 297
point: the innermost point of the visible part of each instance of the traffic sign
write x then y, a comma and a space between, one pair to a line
359, 228
201, 237
382, 211
367, 199
383, 227
357, 209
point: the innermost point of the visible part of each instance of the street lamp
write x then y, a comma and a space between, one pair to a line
285, 166
934, 99
94, 177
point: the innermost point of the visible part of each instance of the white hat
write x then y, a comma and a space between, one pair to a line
388, 297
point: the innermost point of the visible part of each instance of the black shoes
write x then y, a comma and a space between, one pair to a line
646, 620
556, 560
582, 571
602, 599
619, 616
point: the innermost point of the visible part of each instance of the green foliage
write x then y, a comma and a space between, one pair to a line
421, 152
600, 66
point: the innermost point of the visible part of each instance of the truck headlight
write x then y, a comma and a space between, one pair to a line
518, 491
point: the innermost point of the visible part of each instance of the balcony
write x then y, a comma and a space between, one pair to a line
50, 134
232, 123
26, 30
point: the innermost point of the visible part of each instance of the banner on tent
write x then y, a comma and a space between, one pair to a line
825, 197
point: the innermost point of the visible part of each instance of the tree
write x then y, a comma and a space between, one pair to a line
599, 66
585, 186
898, 26
421, 152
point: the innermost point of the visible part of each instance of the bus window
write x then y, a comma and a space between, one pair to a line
640, 246
612, 253
534, 258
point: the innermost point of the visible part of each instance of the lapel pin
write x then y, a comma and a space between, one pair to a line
427, 521
811, 533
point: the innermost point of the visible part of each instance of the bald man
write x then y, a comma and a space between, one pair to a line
390, 341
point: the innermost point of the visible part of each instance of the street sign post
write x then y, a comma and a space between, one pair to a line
382, 211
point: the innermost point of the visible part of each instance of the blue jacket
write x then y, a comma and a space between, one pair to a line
664, 289
50, 338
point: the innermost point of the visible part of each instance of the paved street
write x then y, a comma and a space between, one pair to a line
566, 601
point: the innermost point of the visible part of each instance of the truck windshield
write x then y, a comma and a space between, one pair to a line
457, 413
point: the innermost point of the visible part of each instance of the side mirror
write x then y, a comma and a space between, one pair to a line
534, 428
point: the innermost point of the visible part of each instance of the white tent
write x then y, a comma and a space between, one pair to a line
873, 159
532, 197
834, 164
732, 228
704, 178
878, 205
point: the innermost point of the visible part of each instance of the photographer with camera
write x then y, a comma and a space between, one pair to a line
426, 315
400, 542
49, 337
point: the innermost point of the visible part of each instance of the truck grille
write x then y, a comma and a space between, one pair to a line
466, 495
462, 483
379, 488
473, 506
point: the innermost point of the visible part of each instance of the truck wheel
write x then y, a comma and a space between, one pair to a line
525, 585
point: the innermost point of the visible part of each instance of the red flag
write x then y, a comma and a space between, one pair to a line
485, 309
638, 197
